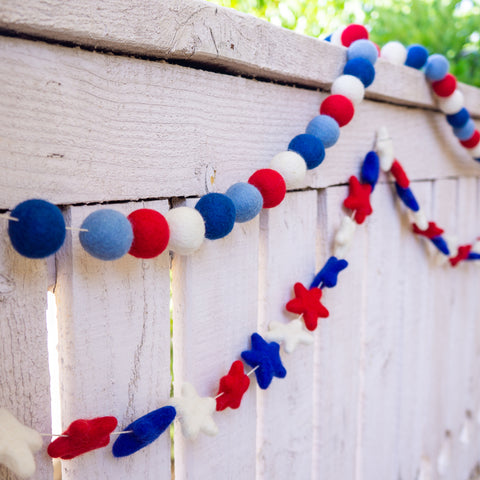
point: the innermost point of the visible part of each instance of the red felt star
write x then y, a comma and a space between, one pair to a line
431, 232
83, 436
232, 387
359, 199
307, 303
462, 254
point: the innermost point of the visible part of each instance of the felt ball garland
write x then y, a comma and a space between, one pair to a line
37, 229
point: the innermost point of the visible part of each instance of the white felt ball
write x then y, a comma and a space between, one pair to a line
187, 230
419, 219
336, 38
452, 104
291, 166
384, 148
394, 52
474, 152
350, 87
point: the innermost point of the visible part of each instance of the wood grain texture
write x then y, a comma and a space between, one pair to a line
338, 348
416, 341
380, 342
80, 127
285, 430
24, 373
114, 348
215, 298
207, 35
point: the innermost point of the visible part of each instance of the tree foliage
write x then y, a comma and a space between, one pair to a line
448, 27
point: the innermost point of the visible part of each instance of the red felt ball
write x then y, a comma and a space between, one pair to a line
446, 86
150, 233
473, 141
399, 173
271, 185
352, 33
338, 107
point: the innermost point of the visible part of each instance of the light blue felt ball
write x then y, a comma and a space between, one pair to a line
362, 69
325, 128
466, 131
218, 212
109, 235
436, 67
40, 229
363, 49
416, 56
247, 199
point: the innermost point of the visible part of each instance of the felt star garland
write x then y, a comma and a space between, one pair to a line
37, 229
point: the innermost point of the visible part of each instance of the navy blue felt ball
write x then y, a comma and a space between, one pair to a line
416, 56
466, 131
143, 431
247, 199
407, 197
362, 69
310, 148
218, 212
441, 244
40, 230
325, 128
459, 119
109, 234
371, 169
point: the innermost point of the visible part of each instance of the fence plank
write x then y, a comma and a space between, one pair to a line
215, 295
285, 431
163, 130
337, 351
208, 35
114, 347
380, 382
415, 346
24, 368
463, 281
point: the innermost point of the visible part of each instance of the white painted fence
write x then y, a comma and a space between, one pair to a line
197, 97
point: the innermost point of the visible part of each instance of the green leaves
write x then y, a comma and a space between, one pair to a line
448, 27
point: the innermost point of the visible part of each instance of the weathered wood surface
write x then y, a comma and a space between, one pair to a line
80, 127
114, 348
215, 299
209, 36
285, 427
24, 375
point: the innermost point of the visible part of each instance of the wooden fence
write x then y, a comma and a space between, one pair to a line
153, 103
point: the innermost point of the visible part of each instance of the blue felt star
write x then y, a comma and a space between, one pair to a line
265, 356
329, 273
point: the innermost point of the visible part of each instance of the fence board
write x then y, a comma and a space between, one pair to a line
415, 346
337, 350
114, 347
463, 280
24, 369
380, 385
215, 294
285, 429
207, 35
83, 127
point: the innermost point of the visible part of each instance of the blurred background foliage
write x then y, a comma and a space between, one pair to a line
448, 27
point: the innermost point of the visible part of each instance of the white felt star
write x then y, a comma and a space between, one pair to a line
384, 148
291, 334
195, 412
18, 443
344, 236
